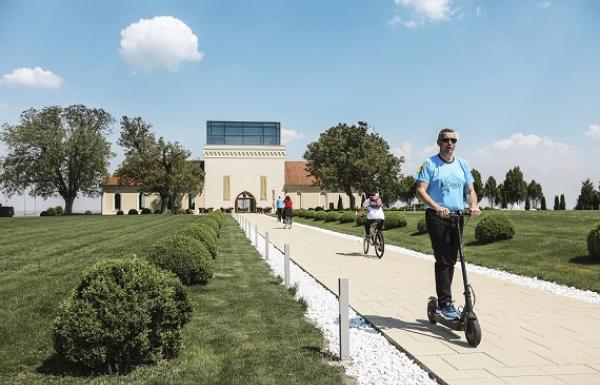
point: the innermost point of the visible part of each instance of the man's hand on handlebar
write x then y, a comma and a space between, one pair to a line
474, 211
443, 212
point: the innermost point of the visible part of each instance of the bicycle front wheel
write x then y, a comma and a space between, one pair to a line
366, 242
379, 244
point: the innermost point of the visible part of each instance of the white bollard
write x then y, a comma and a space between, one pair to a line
344, 322
266, 246
286, 265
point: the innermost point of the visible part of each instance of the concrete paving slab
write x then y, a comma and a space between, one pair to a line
526, 343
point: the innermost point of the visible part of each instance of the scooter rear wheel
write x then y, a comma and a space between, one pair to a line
431, 309
472, 331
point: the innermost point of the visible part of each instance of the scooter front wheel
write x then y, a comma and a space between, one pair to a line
472, 331
431, 309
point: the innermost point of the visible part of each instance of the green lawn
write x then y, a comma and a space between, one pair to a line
246, 328
550, 245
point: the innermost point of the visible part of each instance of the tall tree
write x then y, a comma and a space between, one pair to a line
534, 193
527, 204
563, 206
349, 158
556, 203
490, 190
408, 189
501, 196
157, 165
57, 151
543, 204
477, 184
515, 186
587, 197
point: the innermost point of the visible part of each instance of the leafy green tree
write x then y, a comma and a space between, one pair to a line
556, 203
534, 193
489, 190
587, 197
57, 151
562, 202
390, 192
515, 186
349, 158
157, 165
527, 204
477, 184
408, 189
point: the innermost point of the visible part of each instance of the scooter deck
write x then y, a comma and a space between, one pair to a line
452, 324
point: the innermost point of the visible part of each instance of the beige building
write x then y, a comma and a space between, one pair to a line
244, 170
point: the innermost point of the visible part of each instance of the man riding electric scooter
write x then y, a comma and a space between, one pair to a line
442, 182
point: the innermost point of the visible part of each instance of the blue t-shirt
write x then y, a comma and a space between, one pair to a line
279, 203
446, 182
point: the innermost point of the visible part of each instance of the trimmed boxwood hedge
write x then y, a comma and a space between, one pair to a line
332, 216
593, 241
320, 215
347, 217
494, 227
394, 220
122, 313
422, 226
185, 256
204, 235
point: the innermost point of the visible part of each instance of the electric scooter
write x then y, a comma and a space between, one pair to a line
468, 320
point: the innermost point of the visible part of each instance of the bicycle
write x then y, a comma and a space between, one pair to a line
375, 239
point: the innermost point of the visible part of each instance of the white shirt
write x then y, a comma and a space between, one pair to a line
374, 212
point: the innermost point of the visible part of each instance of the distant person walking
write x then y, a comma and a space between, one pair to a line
443, 181
279, 205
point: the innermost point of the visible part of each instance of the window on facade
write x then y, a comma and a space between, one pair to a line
263, 188
141, 201
248, 133
118, 201
226, 187
191, 202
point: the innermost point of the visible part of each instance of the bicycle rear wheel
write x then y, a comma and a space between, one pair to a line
379, 244
366, 242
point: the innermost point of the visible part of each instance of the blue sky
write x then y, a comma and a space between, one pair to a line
517, 79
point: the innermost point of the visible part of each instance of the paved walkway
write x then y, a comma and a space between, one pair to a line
537, 337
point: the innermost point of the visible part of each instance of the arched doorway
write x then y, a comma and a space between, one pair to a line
245, 203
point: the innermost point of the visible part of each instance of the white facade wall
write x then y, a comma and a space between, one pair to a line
244, 165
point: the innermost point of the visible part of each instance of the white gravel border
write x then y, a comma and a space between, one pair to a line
531, 282
373, 359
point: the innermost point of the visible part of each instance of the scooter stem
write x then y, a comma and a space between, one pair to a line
467, 292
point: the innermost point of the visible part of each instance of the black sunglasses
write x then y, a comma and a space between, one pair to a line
448, 140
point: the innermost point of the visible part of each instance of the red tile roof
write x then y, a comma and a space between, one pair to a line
297, 175
116, 181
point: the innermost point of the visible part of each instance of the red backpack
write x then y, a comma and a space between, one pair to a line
374, 202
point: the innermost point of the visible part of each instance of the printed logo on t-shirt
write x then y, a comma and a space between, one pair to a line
451, 183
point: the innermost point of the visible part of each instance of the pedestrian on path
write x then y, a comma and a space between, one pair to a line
279, 205
443, 182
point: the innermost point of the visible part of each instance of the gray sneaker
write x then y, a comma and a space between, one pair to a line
449, 312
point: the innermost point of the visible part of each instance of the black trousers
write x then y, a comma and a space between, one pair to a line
368, 225
445, 242
279, 213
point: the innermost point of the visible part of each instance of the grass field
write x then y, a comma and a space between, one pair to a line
246, 328
550, 245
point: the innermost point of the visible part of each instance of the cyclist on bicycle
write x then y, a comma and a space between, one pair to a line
375, 214
287, 209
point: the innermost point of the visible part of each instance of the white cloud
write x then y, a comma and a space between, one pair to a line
405, 150
162, 41
544, 4
36, 77
288, 136
479, 11
421, 12
593, 131
520, 141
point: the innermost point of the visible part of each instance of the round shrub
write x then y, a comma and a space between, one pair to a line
189, 211
87, 212
332, 216
51, 211
44, 213
298, 212
208, 228
202, 234
59, 210
593, 241
132, 212
146, 211
422, 226
120, 212
320, 215
394, 220
185, 256
494, 227
361, 220
309, 213
347, 217
122, 313
212, 222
